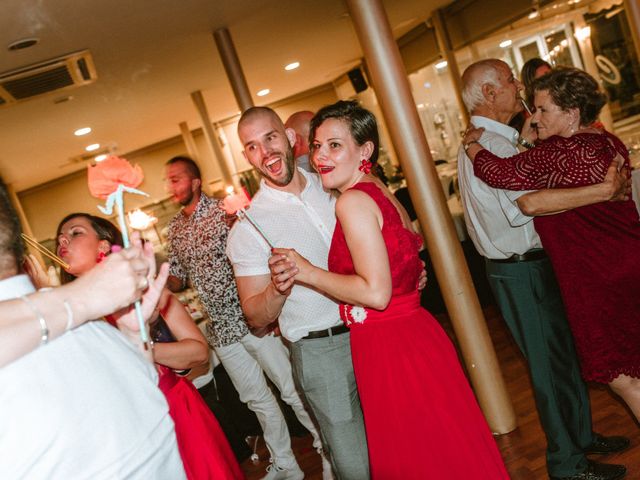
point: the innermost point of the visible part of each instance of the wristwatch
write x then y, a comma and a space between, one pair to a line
525, 143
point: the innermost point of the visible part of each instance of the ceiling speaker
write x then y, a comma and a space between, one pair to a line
357, 80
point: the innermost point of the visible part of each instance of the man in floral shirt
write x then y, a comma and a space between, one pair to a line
197, 242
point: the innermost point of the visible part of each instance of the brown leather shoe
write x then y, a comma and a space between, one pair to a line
604, 445
598, 471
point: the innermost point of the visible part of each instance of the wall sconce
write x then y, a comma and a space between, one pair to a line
583, 33
138, 220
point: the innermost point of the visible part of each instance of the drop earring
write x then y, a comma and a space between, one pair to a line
573, 125
365, 166
101, 257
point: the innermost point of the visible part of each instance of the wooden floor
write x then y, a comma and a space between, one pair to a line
523, 450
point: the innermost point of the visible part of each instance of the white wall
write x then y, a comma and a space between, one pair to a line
46, 205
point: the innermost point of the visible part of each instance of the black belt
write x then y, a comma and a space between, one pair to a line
538, 254
329, 332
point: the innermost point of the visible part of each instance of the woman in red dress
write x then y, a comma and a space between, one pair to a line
83, 240
595, 250
421, 417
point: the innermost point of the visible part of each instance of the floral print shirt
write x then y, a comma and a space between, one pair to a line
197, 245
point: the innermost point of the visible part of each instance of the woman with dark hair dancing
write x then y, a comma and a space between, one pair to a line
595, 250
85, 240
422, 419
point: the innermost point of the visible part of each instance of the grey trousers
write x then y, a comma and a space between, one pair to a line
529, 299
323, 371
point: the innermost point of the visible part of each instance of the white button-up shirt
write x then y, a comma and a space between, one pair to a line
495, 224
305, 223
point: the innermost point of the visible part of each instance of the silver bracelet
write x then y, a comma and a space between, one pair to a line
44, 330
69, 324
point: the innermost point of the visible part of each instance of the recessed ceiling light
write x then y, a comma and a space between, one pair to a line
100, 158
82, 131
292, 66
263, 92
92, 147
505, 43
441, 64
23, 43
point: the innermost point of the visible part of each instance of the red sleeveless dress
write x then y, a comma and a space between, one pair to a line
421, 417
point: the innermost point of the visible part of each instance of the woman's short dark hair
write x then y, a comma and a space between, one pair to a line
105, 230
574, 88
362, 123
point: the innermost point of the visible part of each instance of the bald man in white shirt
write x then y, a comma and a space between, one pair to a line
294, 210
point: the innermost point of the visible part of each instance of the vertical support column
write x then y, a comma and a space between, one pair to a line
393, 91
444, 43
189, 142
24, 222
632, 9
233, 68
212, 139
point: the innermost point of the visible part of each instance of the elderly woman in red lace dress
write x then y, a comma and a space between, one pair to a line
595, 250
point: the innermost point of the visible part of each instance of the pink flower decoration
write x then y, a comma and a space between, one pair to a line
104, 177
234, 202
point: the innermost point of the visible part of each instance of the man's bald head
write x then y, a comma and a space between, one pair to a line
299, 122
267, 145
490, 89
256, 112
475, 76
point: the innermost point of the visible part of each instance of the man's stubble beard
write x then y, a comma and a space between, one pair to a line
290, 163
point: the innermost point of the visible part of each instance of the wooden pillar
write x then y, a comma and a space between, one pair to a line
444, 43
393, 91
233, 68
24, 222
189, 142
212, 139
632, 10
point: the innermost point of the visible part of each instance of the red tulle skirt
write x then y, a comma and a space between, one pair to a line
421, 416
204, 449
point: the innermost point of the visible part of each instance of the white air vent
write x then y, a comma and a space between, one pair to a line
52, 75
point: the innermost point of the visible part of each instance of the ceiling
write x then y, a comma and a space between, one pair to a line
151, 54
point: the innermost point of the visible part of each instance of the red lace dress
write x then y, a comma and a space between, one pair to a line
421, 417
594, 250
203, 447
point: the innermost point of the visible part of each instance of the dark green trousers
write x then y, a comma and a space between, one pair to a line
529, 299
